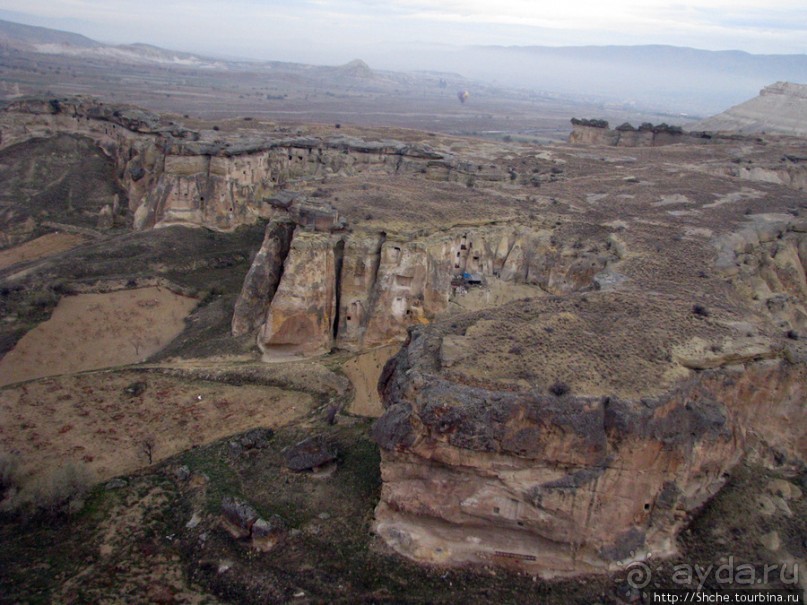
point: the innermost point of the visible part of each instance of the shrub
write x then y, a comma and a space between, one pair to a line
593, 123
559, 389
9, 473
56, 493
700, 310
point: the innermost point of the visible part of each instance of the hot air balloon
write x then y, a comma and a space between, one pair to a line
463, 95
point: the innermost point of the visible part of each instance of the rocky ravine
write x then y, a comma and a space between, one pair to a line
360, 290
595, 335
173, 174
578, 433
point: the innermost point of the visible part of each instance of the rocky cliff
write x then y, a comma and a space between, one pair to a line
580, 431
593, 339
629, 413
780, 107
598, 132
364, 289
176, 175
551, 479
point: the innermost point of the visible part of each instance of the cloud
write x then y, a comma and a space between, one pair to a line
337, 29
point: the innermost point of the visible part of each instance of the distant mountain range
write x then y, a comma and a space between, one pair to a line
54, 42
669, 78
683, 81
29, 37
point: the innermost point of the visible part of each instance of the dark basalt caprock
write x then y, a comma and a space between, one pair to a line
555, 481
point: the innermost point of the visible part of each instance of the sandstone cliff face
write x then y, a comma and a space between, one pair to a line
767, 260
780, 107
562, 484
382, 286
302, 312
173, 175
576, 433
587, 134
263, 278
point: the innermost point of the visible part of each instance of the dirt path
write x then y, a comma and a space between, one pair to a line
91, 418
92, 331
364, 371
39, 248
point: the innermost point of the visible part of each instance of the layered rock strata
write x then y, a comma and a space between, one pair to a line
550, 477
780, 107
580, 432
175, 175
360, 290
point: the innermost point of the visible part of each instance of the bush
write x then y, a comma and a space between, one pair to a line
56, 493
9, 473
559, 389
700, 310
593, 123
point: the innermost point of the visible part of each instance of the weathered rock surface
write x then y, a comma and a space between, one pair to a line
560, 485
664, 288
242, 522
310, 454
780, 107
302, 312
237, 517
263, 278
266, 534
384, 285
173, 175
681, 363
767, 262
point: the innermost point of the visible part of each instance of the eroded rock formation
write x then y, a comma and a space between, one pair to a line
175, 175
566, 483
362, 290
780, 107
302, 313
578, 432
594, 339
598, 132
767, 261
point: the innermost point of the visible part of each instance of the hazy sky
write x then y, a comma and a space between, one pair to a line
334, 31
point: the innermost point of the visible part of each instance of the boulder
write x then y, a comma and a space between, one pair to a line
310, 454
237, 517
268, 533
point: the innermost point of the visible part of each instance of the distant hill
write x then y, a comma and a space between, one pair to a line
54, 42
780, 107
29, 37
356, 69
671, 78
679, 84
